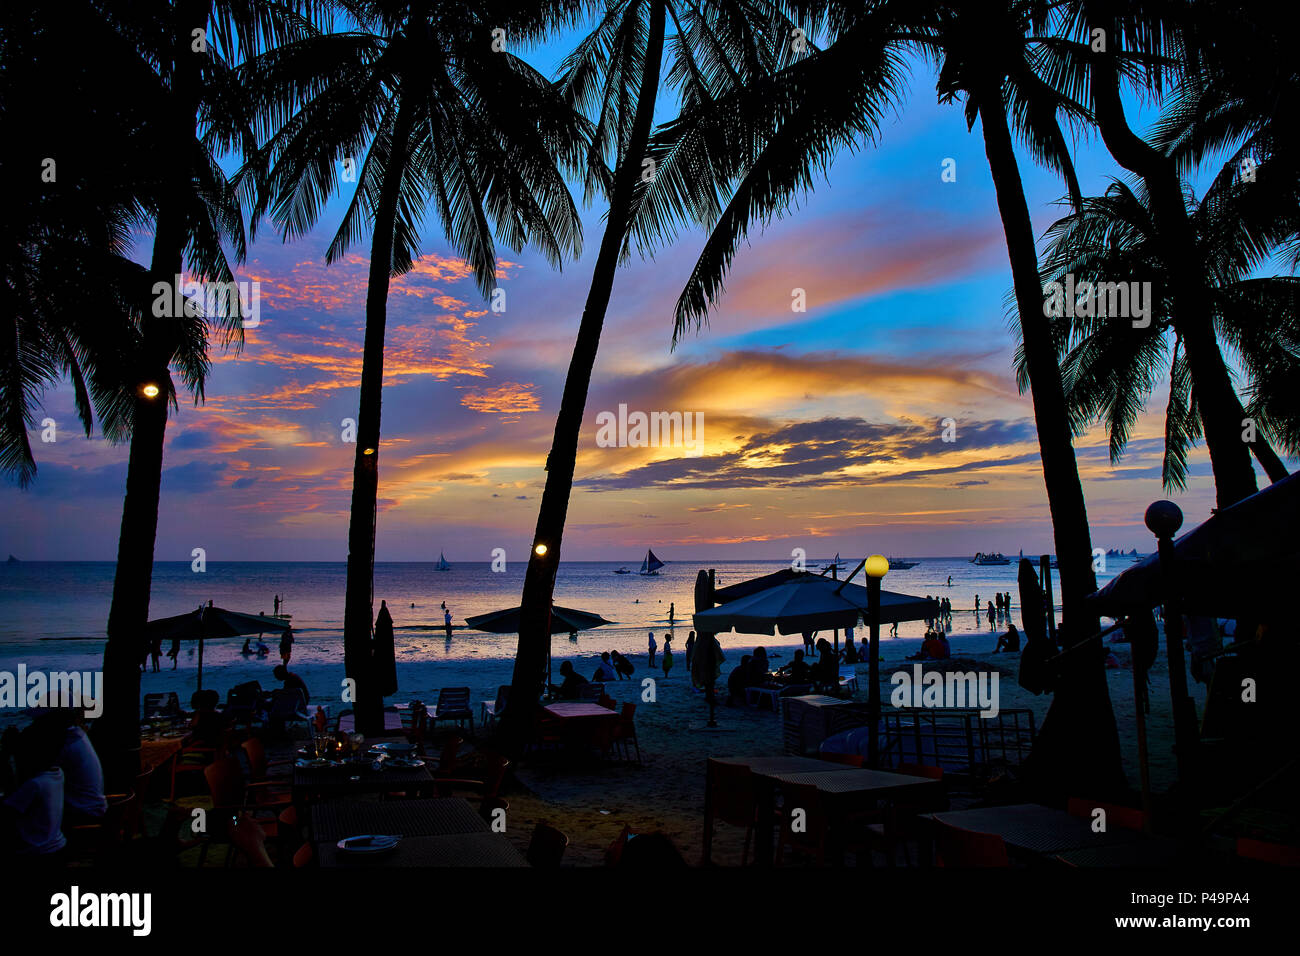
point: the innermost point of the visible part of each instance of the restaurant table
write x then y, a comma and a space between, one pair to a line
759, 765
843, 791
439, 816
1150, 852
459, 849
1030, 829
339, 781
156, 751
573, 711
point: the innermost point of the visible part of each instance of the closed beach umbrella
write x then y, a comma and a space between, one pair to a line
208, 622
385, 656
794, 602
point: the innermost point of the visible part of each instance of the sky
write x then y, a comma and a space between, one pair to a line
822, 429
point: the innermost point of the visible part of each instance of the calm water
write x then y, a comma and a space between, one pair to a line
57, 608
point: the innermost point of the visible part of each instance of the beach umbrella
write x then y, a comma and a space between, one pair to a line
792, 602
208, 622
1239, 562
384, 658
564, 620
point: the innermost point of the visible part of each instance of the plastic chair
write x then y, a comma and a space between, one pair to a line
731, 788
810, 838
490, 710
453, 704
546, 846
899, 819
1261, 851
958, 847
625, 731
591, 692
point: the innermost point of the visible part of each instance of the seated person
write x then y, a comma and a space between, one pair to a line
262, 649
207, 727
1010, 641
929, 648
573, 682
797, 671
604, 670
759, 667
940, 651
827, 669
850, 653
738, 680
83, 775
33, 813
292, 681
622, 665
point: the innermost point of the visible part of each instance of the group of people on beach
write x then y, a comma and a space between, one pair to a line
997, 608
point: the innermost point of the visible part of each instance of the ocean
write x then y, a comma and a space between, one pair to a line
51, 608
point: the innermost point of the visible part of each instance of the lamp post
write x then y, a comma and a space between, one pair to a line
1164, 518
876, 567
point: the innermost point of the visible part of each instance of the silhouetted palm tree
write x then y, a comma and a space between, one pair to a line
613, 76
1112, 367
426, 105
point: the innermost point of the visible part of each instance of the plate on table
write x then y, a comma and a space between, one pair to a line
313, 763
394, 747
404, 763
369, 843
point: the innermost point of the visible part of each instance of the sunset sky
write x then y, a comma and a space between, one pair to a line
822, 429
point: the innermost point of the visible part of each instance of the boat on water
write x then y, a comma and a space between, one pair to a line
995, 557
898, 564
836, 565
622, 571
651, 564
442, 564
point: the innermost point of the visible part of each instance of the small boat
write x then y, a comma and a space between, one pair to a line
995, 557
442, 563
651, 564
898, 564
836, 565
622, 571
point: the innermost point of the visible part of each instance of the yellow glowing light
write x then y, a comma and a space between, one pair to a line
367, 451
877, 566
540, 550
151, 391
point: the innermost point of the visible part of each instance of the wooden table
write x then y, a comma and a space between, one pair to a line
436, 832
843, 791
156, 751
440, 816
574, 711
1032, 830
760, 766
340, 781
456, 850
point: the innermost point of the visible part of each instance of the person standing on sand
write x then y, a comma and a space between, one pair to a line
950, 580
977, 605
653, 648
174, 651
992, 616
286, 647
672, 613
668, 655
690, 650
446, 619
155, 651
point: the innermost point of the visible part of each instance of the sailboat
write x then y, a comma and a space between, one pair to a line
836, 565
898, 564
442, 563
651, 564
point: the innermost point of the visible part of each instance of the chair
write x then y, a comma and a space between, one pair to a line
958, 847
546, 847
232, 797
731, 788
248, 837
591, 692
851, 760
1261, 851
449, 759
488, 789
609, 703
900, 818
287, 706
453, 704
848, 678
244, 703
304, 857
259, 766
810, 838
490, 710
625, 731
161, 705
1124, 817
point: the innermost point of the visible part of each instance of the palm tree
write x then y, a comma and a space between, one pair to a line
187, 78
1155, 44
1111, 368
613, 77
431, 110
994, 60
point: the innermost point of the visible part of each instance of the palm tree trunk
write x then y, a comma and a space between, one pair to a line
1220, 409
358, 608
539, 580
1267, 458
1079, 742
